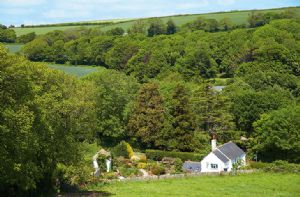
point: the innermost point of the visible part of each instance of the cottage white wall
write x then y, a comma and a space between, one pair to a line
211, 159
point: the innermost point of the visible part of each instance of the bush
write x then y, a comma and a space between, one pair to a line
258, 165
276, 166
156, 169
184, 156
142, 165
109, 175
129, 172
178, 165
123, 149
139, 157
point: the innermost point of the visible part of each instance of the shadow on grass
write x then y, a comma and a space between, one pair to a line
86, 194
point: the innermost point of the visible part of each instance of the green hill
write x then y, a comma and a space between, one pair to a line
239, 17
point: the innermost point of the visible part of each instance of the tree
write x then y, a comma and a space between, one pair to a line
117, 57
213, 113
37, 50
277, 135
157, 27
171, 27
226, 24
118, 31
184, 134
44, 114
248, 106
197, 62
138, 27
26, 38
147, 119
7, 35
114, 92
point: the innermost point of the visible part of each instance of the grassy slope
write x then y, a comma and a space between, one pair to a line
258, 184
239, 17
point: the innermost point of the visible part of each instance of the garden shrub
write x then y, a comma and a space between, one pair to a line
282, 166
276, 166
142, 165
156, 168
129, 172
123, 149
184, 156
178, 165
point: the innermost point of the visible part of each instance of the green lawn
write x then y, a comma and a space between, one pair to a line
256, 184
238, 17
76, 70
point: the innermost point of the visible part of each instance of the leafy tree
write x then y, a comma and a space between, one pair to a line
248, 107
118, 31
157, 27
171, 27
118, 56
147, 119
44, 114
100, 45
277, 135
138, 27
26, 38
226, 24
7, 35
114, 91
37, 50
197, 62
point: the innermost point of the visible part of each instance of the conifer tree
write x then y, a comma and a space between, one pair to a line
147, 119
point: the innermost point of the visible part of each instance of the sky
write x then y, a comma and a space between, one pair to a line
31, 12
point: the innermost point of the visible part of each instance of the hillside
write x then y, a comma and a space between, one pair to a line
238, 17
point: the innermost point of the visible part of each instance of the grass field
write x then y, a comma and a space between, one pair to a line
13, 48
76, 70
257, 184
239, 17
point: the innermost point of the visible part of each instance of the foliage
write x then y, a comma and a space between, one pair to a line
7, 35
148, 116
123, 149
114, 91
278, 133
26, 38
158, 155
156, 168
40, 107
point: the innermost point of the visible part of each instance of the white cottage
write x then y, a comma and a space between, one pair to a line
223, 157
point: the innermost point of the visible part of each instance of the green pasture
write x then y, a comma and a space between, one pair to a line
13, 48
238, 17
76, 70
256, 184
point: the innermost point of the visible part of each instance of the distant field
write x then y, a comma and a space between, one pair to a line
258, 184
13, 48
76, 70
239, 17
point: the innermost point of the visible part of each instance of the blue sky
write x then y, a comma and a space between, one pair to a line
55, 11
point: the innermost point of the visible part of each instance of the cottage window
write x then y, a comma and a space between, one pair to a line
214, 166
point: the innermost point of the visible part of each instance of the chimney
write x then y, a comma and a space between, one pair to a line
213, 143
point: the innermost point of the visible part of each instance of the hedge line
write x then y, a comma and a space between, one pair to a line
184, 156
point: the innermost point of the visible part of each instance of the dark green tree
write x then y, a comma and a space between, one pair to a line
171, 27
157, 27
147, 121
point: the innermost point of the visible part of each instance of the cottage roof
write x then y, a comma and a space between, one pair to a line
192, 165
230, 150
220, 155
